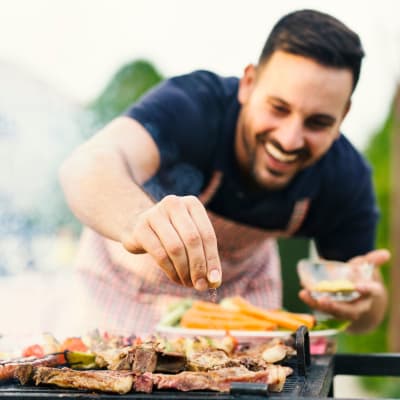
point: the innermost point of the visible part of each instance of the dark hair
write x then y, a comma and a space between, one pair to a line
319, 36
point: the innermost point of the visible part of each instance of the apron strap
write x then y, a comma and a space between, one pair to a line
207, 194
299, 212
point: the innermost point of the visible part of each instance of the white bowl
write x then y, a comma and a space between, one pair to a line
333, 279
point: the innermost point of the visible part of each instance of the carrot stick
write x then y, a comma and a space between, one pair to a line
207, 306
228, 316
284, 321
306, 319
218, 315
207, 323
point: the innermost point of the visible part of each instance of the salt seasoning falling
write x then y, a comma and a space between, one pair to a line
214, 278
213, 295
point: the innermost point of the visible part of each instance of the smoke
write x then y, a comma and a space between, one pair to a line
38, 128
38, 234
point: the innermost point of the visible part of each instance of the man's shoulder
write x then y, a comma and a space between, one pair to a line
201, 80
344, 161
345, 173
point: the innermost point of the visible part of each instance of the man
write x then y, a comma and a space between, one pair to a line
189, 188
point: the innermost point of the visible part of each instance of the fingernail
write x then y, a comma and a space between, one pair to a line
201, 284
214, 276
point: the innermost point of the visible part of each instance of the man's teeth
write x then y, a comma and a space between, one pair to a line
276, 153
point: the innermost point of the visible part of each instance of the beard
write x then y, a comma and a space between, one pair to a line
263, 176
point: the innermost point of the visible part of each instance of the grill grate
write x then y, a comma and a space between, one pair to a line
312, 377
295, 386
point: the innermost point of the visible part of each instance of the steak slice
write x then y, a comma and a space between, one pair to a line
145, 360
140, 359
24, 373
220, 380
8, 369
105, 381
144, 383
209, 359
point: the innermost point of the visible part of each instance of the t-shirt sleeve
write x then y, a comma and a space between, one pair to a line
353, 222
183, 116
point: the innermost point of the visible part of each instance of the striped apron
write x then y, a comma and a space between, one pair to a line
130, 293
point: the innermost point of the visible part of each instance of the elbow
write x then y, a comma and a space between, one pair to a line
65, 173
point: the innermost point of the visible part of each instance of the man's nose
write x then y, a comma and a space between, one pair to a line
291, 136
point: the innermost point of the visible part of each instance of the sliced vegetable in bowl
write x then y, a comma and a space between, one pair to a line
332, 323
233, 313
175, 312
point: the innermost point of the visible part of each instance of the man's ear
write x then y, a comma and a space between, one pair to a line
347, 109
246, 83
345, 112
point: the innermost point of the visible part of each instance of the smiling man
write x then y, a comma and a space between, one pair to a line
189, 189
292, 108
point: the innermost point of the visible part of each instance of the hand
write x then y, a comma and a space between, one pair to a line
372, 292
352, 310
178, 234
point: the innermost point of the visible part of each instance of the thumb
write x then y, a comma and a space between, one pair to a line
378, 257
374, 257
131, 244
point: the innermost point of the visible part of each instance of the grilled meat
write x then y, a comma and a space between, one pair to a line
220, 380
270, 352
144, 366
171, 362
141, 358
24, 373
115, 359
145, 360
105, 381
210, 359
9, 368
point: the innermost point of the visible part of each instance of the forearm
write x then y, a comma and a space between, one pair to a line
101, 191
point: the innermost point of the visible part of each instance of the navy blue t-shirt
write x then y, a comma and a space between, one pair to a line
192, 119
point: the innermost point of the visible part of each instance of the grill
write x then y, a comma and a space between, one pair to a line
312, 378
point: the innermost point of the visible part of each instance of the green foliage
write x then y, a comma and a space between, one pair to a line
291, 251
383, 387
378, 154
126, 87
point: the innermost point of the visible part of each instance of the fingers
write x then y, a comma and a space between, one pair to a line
191, 265
341, 310
198, 264
151, 244
209, 242
370, 288
171, 245
378, 257
178, 234
375, 257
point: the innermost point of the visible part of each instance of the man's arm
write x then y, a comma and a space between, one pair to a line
102, 176
101, 181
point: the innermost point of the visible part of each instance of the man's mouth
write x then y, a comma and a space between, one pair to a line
279, 155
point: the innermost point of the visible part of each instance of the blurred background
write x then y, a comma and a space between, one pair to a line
68, 67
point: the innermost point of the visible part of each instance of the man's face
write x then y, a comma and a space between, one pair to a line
291, 112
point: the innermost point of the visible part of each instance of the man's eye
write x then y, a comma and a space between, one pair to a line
279, 109
317, 124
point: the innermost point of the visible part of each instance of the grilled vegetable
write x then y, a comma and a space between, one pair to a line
175, 312
73, 344
80, 360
